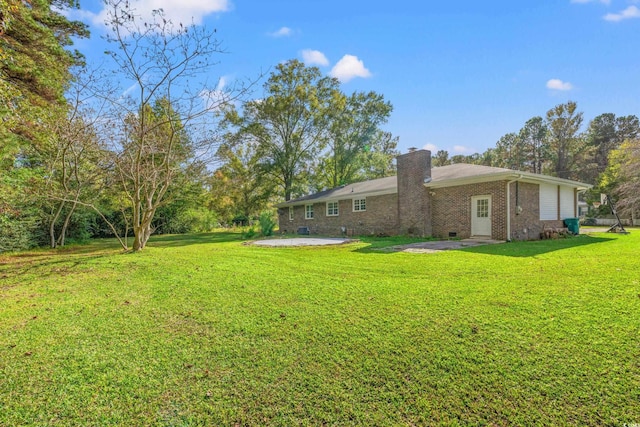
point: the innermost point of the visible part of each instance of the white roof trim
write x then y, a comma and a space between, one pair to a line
515, 175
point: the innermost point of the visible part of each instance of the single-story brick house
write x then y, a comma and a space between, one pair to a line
459, 200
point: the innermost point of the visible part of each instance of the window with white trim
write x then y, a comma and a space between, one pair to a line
290, 213
359, 205
332, 208
308, 211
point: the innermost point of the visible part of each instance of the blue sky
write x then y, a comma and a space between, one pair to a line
459, 75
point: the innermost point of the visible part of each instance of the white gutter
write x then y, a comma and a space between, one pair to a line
509, 206
524, 176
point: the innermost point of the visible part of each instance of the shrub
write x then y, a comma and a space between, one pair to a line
16, 234
267, 223
249, 233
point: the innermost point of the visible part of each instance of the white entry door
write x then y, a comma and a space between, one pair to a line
481, 216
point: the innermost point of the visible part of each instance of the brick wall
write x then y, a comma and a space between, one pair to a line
525, 211
417, 210
525, 222
380, 217
414, 210
451, 209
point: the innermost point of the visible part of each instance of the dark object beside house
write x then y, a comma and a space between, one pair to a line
303, 230
573, 224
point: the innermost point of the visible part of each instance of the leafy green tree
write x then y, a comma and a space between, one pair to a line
165, 123
240, 187
605, 133
152, 159
289, 124
378, 159
355, 122
458, 158
184, 209
35, 70
74, 164
488, 158
622, 176
35, 64
441, 158
564, 141
510, 152
533, 137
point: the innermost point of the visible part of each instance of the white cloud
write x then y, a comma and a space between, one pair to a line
557, 84
628, 13
217, 97
282, 32
431, 147
129, 90
314, 57
183, 11
461, 149
607, 2
349, 67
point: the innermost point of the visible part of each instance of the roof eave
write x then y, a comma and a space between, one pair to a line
515, 175
337, 197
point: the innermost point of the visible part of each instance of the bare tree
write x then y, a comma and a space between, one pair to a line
165, 119
622, 176
71, 158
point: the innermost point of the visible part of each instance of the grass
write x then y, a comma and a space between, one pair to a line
203, 330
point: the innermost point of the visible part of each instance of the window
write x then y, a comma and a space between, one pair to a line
483, 208
308, 211
359, 205
332, 208
290, 213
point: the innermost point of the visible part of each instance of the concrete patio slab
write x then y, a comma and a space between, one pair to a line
303, 241
419, 247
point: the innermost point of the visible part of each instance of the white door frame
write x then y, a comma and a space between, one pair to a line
481, 225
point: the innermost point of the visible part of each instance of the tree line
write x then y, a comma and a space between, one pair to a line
129, 153
604, 155
303, 135
148, 147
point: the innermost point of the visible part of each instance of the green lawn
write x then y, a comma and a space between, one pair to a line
204, 330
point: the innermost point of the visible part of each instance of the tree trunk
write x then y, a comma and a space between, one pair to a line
52, 226
65, 225
142, 232
138, 243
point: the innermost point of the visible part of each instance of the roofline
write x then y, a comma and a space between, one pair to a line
333, 198
508, 175
495, 176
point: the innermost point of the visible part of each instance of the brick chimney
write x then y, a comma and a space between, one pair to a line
414, 208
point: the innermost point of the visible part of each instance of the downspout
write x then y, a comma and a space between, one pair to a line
509, 207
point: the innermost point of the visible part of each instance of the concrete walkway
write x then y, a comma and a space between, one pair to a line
441, 245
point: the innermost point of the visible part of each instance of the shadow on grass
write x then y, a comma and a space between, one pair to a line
513, 249
538, 247
56, 264
176, 240
65, 260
